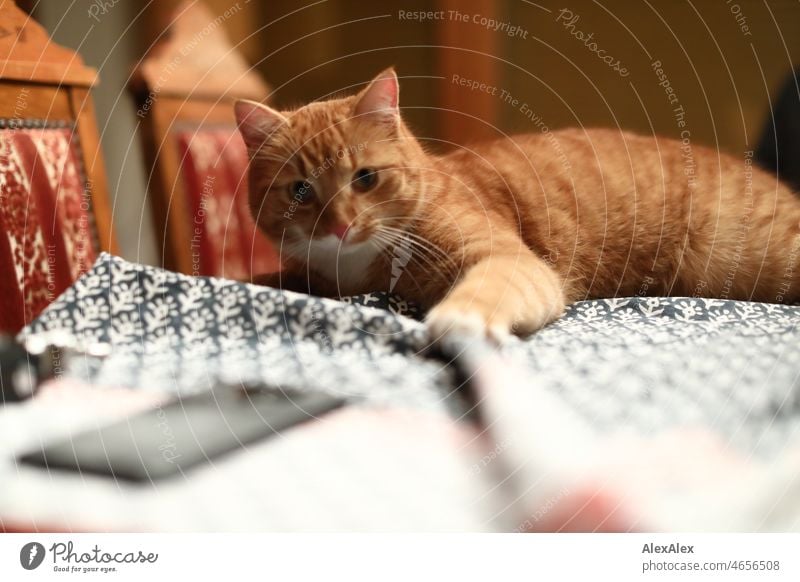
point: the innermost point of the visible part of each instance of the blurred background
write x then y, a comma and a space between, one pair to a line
469, 69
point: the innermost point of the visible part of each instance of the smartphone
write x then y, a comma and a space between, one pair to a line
185, 432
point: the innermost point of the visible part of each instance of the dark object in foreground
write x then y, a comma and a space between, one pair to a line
19, 371
167, 440
25, 365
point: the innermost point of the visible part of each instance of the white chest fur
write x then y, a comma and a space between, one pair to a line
344, 264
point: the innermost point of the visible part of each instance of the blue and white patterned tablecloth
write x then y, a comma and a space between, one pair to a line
644, 363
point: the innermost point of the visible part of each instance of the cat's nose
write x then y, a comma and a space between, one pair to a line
340, 230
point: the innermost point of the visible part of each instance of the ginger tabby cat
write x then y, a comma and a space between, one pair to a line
499, 237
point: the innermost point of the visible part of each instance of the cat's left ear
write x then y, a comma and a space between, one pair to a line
380, 98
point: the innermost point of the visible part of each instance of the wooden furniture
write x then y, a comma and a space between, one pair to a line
185, 88
467, 51
55, 215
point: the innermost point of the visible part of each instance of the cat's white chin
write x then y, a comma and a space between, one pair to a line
327, 247
332, 246
336, 259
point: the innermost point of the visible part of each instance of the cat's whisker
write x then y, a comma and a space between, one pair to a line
408, 232
422, 239
425, 266
425, 243
431, 262
384, 251
392, 244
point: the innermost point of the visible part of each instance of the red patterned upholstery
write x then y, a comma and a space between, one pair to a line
225, 241
46, 230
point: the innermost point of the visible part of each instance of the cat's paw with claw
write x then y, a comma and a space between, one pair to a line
466, 319
446, 321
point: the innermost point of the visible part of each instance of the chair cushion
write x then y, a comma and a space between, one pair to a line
46, 230
225, 240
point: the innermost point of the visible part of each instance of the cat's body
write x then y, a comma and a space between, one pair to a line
502, 235
624, 219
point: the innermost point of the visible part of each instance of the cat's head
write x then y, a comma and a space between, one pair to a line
339, 172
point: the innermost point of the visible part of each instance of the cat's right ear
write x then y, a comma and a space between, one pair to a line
257, 123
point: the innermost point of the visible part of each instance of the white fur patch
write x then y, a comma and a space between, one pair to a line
337, 260
445, 322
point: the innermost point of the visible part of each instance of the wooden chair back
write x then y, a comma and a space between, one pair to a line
55, 215
185, 88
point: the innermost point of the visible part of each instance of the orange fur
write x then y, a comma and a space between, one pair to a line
502, 235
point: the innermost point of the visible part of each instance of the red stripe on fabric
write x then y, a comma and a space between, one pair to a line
233, 249
228, 242
204, 261
260, 256
12, 313
23, 232
34, 168
233, 174
75, 210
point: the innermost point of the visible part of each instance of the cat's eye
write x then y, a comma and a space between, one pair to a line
301, 191
365, 179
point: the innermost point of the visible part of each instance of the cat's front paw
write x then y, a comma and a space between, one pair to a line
470, 319
445, 321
